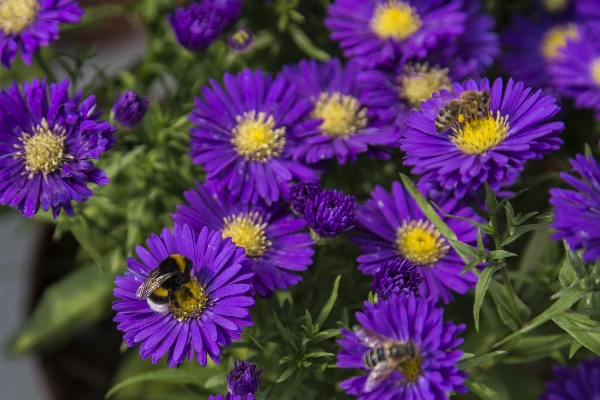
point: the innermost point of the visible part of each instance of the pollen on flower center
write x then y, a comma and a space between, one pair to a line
255, 138
16, 15
419, 81
44, 150
186, 307
596, 71
395, 19
556, 38
411, 369
247, 231
479, 134
420, 242
341, 114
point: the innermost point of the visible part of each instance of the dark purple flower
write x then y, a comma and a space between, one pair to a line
330, 213
532, 46
129, 109
492, 147
273, 237
240, 40
47, 143
577, 73
383, 31
394, 226
581, 382
348, 128
245, 136
577, 212
29, 24
243, 379
430, 374
397, 276
301, 193
200, 23
222, 287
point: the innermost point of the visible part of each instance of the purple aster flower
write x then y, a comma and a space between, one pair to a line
577, 212
245, 136
577, 73
215, 314
394, 226
200, 23
397, 276
330, 213
383, 31
272, 236
243, 379
240, 40
532, 46
47, 142
348, 128
491, 147
575, 383
229, 396
429, 373
29, 24
129, 109
301, 193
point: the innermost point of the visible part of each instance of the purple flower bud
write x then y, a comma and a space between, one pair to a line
397, 276
330, 213
129, 109
243, 379
240, 40
301, 193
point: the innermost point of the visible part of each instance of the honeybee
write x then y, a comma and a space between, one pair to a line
160, 286
385, 355
469, 105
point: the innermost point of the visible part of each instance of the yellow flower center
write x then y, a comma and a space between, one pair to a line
240, 36
44, 150
189, 307
420, 242
480, 134
255, 138
553, 6
596, 70
247, 231
16, 15
411, 369
418, 82
556, 38
395, 20
341, 114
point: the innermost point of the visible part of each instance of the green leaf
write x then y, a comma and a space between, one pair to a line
499, 254
483, 227
166, 375
583, 333
558, 307
567, 275
491, 203
305, 44
283, 331
288, 372
532, 348
476, 361
472, 264
502, 301
463, 248
521, 230
574, 347
330, 302
308, 322
506, 199
81, 231
483, 391
577, 263
519, 219
482, 286
76, 301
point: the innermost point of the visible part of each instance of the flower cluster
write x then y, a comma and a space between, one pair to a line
397, 276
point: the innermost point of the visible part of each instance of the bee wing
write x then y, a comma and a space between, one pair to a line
432, 112
369, 337
378, 374
152, 282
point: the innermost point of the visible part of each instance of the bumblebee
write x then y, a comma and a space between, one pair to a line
160, 286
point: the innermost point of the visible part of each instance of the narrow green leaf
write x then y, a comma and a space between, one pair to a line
476, 361
283, 331
463, 248
259, 345
330, 302
491, 202
519, 219
557, 308
288, 372
499, 254
567, 274
305, 44
81, 231
577, 263
486, 228
583, 333
480, 245
521, 230
532, 348
502, 301
506, 199
483, 391
166, 375
77, 300
472, 264
482, 286
308, 322
510, 213
574, 347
